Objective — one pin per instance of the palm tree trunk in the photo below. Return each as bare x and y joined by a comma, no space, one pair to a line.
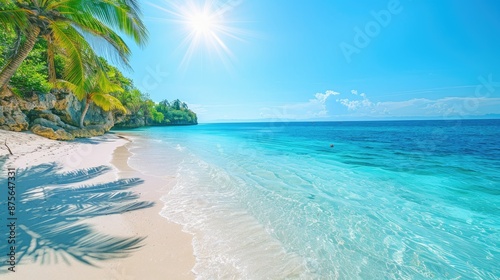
50,59
10,69
87,104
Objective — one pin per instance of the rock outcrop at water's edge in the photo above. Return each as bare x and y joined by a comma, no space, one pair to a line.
130,122
53,115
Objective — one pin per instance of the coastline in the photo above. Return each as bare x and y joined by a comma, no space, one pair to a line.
166,250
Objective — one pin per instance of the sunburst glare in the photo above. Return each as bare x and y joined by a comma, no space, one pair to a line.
206,27
202,23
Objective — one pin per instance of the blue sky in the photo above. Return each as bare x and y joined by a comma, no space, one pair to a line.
323,60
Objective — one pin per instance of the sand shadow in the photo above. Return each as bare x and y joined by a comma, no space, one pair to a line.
50,207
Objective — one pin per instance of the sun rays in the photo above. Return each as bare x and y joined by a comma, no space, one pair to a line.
206,28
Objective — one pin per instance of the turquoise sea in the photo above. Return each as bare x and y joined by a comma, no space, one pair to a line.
390,200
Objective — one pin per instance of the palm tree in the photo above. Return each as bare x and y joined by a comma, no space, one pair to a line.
67,26
176,104
184,106
164,104
96,89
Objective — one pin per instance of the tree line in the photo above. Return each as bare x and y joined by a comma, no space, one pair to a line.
45,45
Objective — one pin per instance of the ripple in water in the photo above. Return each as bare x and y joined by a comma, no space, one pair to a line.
284,207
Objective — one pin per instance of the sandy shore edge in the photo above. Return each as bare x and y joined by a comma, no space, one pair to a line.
166,252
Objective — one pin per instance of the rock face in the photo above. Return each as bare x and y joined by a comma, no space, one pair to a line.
130,122
11,116
68,108
51,133
53,115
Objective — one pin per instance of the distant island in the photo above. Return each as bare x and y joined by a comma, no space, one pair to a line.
54,84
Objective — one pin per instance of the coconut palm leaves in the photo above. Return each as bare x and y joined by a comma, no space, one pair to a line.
75,28
49,227
96,89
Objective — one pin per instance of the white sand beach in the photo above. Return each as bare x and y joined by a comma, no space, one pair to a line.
165,253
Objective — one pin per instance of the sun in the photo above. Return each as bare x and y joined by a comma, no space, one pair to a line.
205,26
202,23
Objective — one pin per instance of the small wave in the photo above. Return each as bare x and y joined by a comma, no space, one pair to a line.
179,148
228,241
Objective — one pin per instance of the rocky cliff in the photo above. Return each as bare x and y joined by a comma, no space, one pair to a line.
53,115
129,121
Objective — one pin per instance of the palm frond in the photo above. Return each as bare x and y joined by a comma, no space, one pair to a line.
63,84
108,102
98,32
71,42
121,14
75,23
13,18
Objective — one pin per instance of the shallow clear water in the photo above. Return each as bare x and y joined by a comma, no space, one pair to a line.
391,200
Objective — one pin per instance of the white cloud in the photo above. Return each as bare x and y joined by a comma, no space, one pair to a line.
353,105
443,107
359,105
314,108
322,97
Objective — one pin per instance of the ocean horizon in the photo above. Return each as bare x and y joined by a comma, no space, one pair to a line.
332,200
350,119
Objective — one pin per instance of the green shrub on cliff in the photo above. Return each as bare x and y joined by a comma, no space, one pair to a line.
32,76
175,113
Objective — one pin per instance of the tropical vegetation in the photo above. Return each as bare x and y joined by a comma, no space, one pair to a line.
96,89
67,27
48,45
176,112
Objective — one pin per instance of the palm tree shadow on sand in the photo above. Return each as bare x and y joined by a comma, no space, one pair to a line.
50,208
